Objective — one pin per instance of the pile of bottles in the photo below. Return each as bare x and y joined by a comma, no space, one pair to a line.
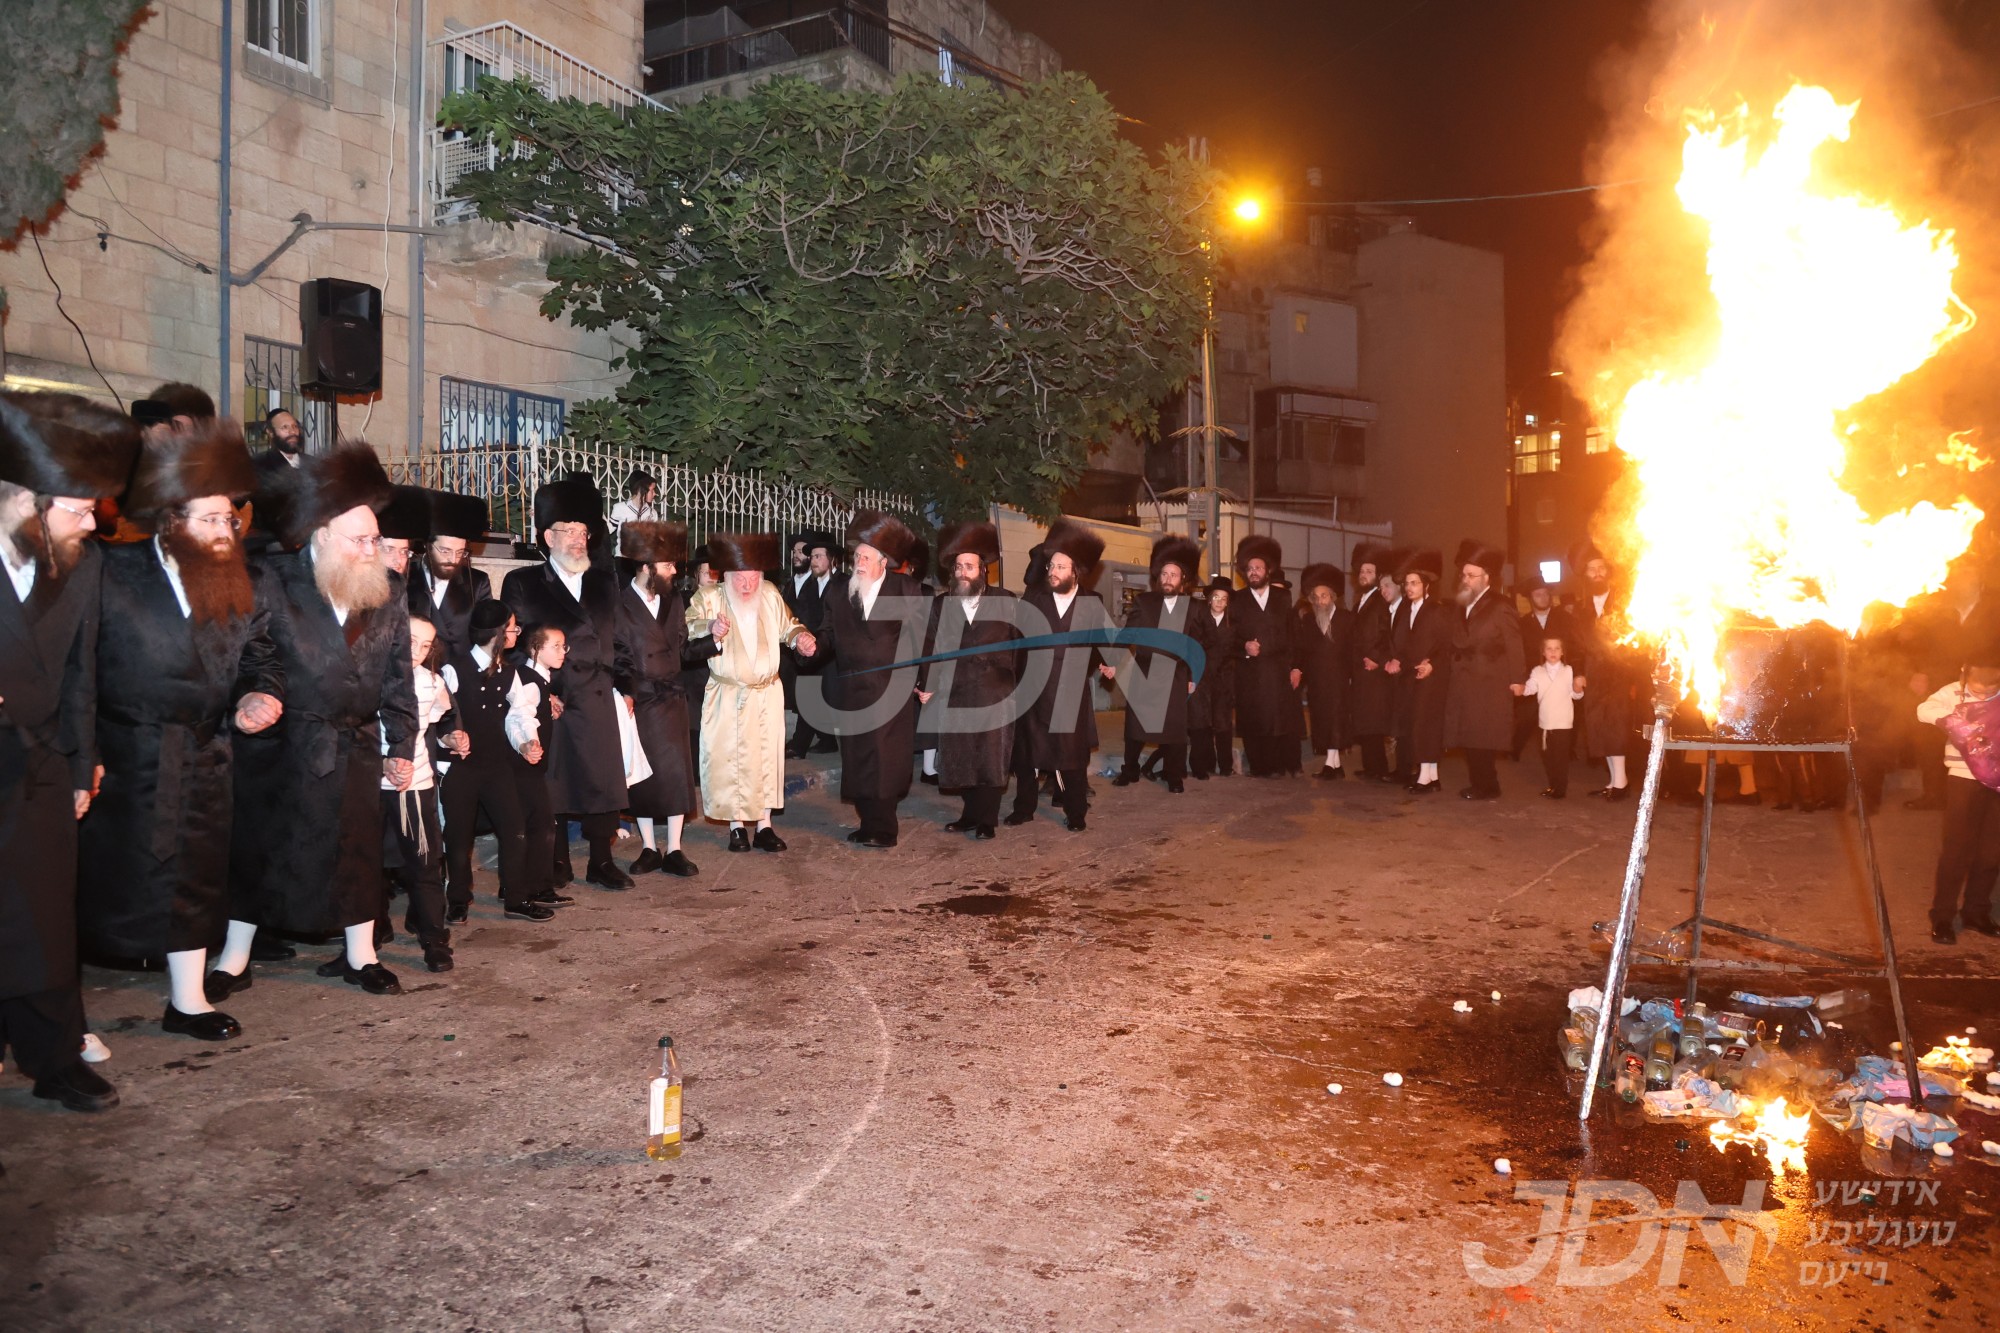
1664,1043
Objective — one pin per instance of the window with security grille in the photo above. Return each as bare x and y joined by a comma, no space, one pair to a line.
271,382
285,30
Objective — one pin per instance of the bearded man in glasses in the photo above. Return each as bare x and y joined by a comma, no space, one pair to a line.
307,852
183,656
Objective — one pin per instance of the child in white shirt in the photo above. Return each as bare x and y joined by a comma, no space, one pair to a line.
1553,683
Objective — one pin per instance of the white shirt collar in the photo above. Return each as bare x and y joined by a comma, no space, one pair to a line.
1598,600
1170,600
173,577
821,580
1416,606
971,605
1065,600
652,600
339,612
868,592
23,575
799,580
1262,596
574,582
438,587
481,658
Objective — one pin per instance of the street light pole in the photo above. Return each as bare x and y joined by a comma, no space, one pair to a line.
1208,436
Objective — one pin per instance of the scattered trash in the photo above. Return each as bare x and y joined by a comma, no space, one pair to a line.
1883,1123
1460,1007
1772,1001
1333,1089
1393,1080
1659,943
1958,1055
1876,1079
1591,998
95,1052
451,1036
1990,1148
1496,1000
1942,1149
1503,1166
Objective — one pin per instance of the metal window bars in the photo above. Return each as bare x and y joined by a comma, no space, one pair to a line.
270,382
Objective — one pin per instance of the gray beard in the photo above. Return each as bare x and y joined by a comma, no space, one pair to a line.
562,562
967,587
349,584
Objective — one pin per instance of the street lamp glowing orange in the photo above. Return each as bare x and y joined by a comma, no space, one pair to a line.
1249,209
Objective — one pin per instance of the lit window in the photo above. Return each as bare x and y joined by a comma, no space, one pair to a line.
1552,571
1299,321
285,30
1597,440
1530,418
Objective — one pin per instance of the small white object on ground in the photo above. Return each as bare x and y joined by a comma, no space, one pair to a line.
1991,1148
1333,1089
1496,997
1460,1007
1503,1166
1895,1045
1971,1031
1941,1148
1393,1080
95,1052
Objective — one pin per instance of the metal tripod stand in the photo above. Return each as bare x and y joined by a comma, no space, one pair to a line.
1635,876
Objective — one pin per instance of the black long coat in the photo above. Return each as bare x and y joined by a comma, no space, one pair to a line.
874,763
646,666
1559,626
153,872
1420,704
586,765
1149,611
453,616
806,603
306,847
1266,704
965,758
1485,665
1371,692
1059,725
1615,677
1214,699
1326,670
48,675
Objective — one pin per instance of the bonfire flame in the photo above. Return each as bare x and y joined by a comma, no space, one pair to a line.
1777,1130
1823,301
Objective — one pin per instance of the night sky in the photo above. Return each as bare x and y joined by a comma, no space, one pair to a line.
1393,99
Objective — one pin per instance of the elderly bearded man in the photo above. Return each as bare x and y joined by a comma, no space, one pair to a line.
184,654
307,845
744,620
59,454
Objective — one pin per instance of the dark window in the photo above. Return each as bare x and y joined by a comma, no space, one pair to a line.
271,381
286,30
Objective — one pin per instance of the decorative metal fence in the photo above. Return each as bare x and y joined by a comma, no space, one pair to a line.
506,476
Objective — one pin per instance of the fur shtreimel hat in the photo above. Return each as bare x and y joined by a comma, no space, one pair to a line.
1472,551
653,543
1428,563
957,539
64,444
303,499
885,532
407,515
1370,553
570,499
1322,575
1257,546
173,469
462,516
1084,548
742,552
1182,552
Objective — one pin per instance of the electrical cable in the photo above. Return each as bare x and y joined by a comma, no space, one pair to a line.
72,323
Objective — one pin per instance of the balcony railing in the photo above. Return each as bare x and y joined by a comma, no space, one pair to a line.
838,27
503,51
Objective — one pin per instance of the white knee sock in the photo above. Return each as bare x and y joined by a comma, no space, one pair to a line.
1617,762
674,826
735,824
646,834
1427,772
930,763
765,822
235,955
1746,779
1333,759
361,944
184,972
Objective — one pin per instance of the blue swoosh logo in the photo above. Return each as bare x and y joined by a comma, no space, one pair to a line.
1171,642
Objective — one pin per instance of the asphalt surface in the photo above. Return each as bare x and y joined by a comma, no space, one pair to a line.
1057,1080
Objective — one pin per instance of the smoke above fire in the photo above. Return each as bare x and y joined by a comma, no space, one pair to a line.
1777,321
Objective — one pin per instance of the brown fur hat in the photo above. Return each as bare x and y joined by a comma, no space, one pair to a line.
653,543
1312,576
1184,552
306,498
885,532
174,468
956,539
1257,546
1472,551
65,444
742,552
1084,548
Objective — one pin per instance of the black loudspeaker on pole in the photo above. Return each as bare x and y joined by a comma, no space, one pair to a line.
340,337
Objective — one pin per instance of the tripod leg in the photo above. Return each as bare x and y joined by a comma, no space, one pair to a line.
1910,1069
1701,874
1628,913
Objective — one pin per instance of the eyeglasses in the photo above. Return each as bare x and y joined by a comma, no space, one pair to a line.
362,544
73,510
220,522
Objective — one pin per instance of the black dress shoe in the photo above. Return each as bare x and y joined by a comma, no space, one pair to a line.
1074,824
437,957
607,875
1017,819
795,752
1553,794
767,840
983,832
529,911
1431,788
548,898
1474,794
270,949
211,1026
1617,794
1126,777
374,978
1944,934
826,745
646,862
1925,803
80,1088
1199,777
1326,774
218,985
1177,787
856,836
928,779
739,840
677,863
1407,779
960,826
1984,926
457,914
875,840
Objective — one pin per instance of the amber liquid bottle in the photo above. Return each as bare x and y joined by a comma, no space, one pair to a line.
663,1107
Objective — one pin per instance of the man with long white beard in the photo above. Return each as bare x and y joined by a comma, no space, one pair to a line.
306,858
59,454
586,763
744,621
183,654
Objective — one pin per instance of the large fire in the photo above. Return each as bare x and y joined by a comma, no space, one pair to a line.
1823,300
1776,1129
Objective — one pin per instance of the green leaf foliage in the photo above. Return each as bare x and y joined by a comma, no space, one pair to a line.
949,292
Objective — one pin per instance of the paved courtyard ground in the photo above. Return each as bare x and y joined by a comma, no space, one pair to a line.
1053,1081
